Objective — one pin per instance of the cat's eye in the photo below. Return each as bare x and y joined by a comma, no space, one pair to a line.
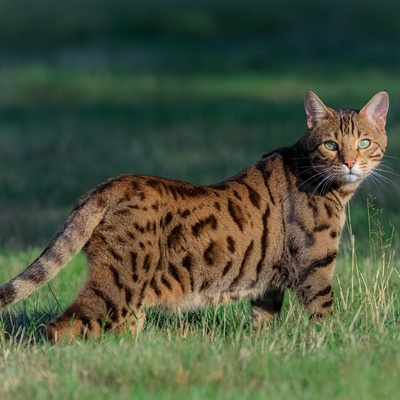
363,144
330,145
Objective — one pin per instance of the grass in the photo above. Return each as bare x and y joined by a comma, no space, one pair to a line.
214,353
194,91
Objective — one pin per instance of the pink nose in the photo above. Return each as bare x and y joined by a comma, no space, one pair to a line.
349,163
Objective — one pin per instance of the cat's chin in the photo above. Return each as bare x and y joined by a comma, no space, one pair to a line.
350,178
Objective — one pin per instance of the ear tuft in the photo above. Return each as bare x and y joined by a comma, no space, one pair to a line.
315,109
377,108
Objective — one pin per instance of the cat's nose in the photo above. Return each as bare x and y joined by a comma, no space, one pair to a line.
350,163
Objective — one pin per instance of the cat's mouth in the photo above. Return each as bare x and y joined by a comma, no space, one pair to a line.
350,175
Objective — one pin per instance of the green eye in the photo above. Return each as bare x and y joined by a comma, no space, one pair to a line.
363,144
330,145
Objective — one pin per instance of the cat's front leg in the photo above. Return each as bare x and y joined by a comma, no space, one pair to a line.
315,291
266,307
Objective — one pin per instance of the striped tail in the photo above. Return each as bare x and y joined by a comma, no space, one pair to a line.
69,240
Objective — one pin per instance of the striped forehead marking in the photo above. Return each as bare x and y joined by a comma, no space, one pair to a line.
346,121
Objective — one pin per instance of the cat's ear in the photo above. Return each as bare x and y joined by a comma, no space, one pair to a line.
377,108
315,109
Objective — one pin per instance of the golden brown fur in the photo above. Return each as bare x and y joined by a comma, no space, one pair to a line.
151,241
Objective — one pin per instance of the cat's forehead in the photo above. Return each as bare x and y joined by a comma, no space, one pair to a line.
345,112
346,120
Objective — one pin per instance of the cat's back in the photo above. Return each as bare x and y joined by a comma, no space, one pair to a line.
143,204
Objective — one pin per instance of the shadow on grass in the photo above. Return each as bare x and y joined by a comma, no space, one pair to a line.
220,321
27,328
24,326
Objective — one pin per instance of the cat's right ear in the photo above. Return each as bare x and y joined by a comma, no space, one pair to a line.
315,109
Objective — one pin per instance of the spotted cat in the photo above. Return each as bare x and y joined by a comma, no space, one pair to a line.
151,241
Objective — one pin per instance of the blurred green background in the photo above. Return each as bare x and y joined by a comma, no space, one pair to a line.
192,90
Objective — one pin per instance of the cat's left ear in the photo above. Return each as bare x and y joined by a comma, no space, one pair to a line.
377,109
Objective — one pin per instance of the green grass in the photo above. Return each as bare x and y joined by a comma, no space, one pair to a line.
214,353
194,91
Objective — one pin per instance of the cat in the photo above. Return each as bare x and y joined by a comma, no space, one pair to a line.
151,241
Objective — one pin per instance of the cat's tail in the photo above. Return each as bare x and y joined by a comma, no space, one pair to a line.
69,240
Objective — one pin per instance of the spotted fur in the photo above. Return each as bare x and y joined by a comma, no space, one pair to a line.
152,241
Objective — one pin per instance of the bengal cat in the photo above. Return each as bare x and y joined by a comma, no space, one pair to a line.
152,241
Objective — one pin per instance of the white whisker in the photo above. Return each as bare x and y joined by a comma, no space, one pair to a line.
376,181
314,178
325,183
378,177
391,157
388,170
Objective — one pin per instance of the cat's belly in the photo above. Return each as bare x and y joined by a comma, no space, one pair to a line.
193,300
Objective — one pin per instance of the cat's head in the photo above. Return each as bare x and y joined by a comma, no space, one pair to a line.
344,146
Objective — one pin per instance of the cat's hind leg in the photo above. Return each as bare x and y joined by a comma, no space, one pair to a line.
97,310
120,271
266,307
